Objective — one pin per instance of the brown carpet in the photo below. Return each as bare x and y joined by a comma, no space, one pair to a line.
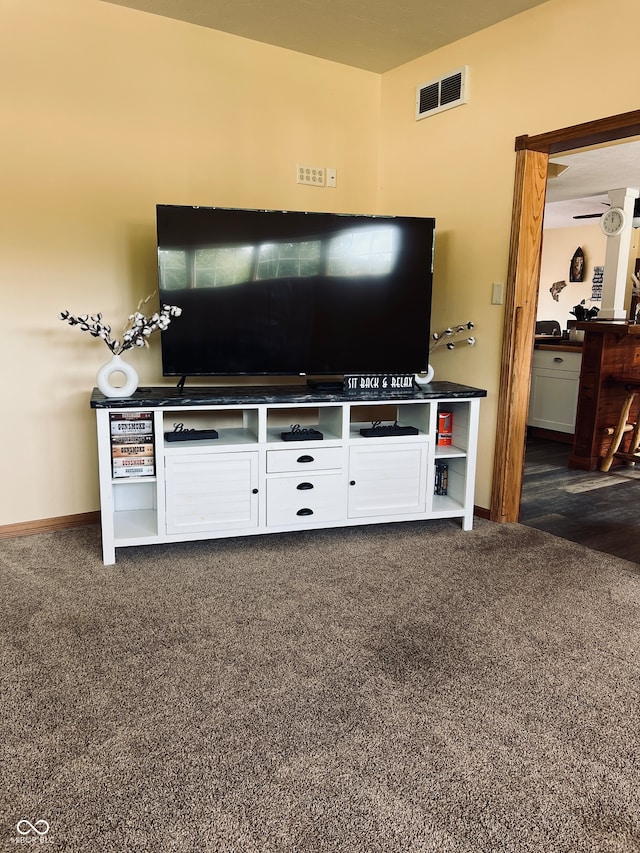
395,688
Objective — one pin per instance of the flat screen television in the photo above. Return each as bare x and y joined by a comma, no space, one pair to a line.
269,292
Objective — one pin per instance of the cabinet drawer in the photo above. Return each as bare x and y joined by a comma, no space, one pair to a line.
299,500
550,360
303,459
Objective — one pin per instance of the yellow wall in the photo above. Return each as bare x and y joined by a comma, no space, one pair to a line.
536,72
105,111
558,247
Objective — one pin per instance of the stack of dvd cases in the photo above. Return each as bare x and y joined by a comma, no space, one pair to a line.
442,477
132,445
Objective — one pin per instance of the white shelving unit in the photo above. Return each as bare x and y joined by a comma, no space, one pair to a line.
250,481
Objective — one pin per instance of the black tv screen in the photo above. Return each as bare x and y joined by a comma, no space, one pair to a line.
294,293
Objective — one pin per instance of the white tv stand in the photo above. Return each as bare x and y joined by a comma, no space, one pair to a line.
250,481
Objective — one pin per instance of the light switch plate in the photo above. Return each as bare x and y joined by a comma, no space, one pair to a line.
497,293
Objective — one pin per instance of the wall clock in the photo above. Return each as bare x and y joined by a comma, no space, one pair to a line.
613,221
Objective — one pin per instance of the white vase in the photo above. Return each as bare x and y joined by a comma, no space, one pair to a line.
117,366
424,378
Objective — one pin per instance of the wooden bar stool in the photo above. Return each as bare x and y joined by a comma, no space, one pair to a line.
632,455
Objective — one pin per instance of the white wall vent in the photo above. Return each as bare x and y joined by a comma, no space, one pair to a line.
446,92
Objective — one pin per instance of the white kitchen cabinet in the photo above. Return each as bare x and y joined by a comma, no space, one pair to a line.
555,381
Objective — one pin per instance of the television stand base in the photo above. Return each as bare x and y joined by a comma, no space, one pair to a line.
178,491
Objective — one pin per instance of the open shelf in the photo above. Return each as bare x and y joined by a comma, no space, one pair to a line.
460,429
446,504
456,485
135,508
235,427
135,524
449,451
324,419
363,415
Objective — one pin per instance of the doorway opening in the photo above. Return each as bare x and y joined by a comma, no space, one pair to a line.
521,296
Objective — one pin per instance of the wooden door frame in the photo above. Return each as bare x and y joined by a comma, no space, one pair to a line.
521,294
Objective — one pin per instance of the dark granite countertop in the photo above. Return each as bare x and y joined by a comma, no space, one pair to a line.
165,396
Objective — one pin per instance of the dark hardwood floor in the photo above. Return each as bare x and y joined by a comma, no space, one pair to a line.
599,510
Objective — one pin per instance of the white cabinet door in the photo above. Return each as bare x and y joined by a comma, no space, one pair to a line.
555,382
211,491
387,480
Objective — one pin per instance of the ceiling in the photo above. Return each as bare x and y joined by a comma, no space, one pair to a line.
582,187
375,35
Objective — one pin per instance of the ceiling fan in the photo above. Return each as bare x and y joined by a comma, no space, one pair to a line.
636,213
592,215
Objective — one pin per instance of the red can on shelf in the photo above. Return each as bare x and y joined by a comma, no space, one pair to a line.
445,428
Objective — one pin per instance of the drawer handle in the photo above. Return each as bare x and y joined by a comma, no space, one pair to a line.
305,458
304,486
305,511
558,359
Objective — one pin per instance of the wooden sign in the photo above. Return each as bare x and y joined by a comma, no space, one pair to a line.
380,383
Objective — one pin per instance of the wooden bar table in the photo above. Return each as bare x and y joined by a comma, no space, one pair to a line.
625,424
611,349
